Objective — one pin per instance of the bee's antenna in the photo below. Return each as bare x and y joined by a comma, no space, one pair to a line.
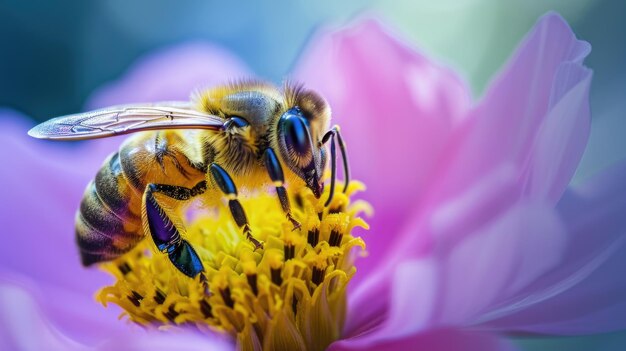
333,164
344,157
333,161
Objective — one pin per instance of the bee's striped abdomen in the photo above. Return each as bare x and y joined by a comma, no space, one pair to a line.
106,226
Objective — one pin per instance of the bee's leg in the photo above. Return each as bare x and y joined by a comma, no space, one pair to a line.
227,186
165,234
330,135
276,174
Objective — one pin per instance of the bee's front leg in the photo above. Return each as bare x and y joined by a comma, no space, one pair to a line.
227,186
163,231
276,174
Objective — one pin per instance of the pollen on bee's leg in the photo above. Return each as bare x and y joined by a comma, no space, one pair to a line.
259,297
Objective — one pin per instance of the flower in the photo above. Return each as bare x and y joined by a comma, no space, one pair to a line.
290,294
476,231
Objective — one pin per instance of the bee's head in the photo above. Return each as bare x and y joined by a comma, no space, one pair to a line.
300,148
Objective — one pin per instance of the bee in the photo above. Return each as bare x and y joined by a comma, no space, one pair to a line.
246,134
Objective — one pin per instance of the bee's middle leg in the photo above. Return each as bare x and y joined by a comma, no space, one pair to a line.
276,174
163,231
227,186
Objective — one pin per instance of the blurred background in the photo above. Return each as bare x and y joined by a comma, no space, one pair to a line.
56,53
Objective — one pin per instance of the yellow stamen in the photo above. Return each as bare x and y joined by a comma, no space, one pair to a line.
289,295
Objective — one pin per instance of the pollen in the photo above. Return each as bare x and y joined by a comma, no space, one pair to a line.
289,295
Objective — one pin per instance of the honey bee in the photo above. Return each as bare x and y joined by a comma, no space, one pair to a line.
247,134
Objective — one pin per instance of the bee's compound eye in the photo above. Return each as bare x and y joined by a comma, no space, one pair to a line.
296,134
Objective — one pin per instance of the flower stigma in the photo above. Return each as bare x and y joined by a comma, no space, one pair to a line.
289,295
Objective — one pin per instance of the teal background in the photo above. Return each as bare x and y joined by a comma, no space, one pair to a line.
55,53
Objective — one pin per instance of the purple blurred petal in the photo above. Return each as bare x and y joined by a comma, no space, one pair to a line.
25,326
73,314
166,341
21,326
562,138
172,74
440,340
534,114
585,294
495,263
43,187
396,109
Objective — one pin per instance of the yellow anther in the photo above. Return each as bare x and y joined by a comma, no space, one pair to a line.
274,259
248,267
293,238
258,297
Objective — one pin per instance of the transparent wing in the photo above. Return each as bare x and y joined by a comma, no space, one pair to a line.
126,119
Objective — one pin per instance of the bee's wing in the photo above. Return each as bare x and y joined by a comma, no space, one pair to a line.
125,119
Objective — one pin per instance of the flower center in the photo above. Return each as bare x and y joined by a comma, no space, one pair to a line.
289,295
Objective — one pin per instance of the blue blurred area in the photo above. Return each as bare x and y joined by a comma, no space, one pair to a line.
604,27
54,53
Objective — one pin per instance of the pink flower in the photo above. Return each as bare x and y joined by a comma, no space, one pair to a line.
476,231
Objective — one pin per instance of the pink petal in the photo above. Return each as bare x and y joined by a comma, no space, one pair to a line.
172,74
396,109
586,293
492,232
535,115
458,284
469,212
440,340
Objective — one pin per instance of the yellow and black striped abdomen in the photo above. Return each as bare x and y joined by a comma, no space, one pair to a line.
108,222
